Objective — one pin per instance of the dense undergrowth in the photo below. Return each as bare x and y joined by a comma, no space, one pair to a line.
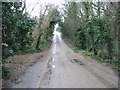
114,63
17,31
92,27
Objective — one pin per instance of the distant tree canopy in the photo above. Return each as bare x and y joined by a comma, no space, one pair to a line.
18,28
22,33
46,25
92,26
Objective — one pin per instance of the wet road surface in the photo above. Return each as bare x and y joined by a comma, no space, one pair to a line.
63,68
67,69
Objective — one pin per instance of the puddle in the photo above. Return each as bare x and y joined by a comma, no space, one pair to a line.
77,61
53,66
54,52
53,59
71,61
51,63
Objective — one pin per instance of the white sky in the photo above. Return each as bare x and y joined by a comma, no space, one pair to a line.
31,3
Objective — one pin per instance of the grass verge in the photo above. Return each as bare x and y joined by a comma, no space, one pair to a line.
5,70
114,63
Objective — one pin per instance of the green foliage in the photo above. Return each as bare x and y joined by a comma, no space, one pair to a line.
20,62
115,63
87,53
16,32
45,45
46,30
16,29
92,28
5,72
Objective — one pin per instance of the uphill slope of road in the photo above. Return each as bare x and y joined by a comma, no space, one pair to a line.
63,68
67,69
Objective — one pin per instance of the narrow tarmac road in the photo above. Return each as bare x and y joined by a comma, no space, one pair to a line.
63,68
67,69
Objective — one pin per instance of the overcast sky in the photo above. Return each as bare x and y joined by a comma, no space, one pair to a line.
31,3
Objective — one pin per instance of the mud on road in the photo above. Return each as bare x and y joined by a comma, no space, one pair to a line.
67,69
63,68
